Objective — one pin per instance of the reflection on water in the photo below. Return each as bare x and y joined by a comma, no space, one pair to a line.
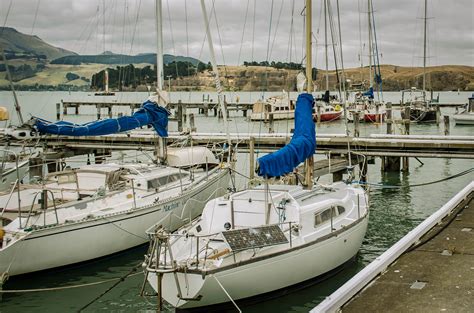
394,212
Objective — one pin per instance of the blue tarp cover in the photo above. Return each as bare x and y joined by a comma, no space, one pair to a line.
301,146
148,114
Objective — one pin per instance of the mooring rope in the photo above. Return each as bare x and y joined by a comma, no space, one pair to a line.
119,280
382,186
68,287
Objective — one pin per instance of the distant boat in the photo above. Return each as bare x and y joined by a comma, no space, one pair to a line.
280,106
466,117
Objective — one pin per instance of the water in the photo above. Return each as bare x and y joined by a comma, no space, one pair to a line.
394,212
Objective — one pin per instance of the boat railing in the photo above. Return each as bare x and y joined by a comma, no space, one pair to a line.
162,241
44,207
17,183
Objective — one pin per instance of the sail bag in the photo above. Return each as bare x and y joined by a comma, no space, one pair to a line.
301,146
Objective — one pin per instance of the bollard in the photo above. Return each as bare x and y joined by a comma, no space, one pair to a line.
446,125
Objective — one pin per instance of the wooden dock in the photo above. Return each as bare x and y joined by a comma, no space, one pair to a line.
376,145
430,272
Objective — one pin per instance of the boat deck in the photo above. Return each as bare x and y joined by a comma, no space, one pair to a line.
435,277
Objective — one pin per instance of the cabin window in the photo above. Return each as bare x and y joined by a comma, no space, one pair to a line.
324,216
161,181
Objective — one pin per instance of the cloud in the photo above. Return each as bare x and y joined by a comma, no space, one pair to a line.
130,28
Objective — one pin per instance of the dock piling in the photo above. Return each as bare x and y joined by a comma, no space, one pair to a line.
446,125
356,123
58,111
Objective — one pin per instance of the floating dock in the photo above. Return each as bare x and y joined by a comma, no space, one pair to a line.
431,269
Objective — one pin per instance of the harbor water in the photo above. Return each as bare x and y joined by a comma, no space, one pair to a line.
393,212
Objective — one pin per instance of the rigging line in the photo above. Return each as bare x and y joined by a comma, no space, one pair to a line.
172,37
276,28
265,83
360,44
36,16
253,28
332,30
187,33
243,32
134,26
377,66
220,42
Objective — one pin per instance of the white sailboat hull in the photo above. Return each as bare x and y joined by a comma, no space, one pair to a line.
464,119
269,274
67,244
279,115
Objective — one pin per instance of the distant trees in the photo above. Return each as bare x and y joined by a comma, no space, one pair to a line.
278,65
71,76
130,76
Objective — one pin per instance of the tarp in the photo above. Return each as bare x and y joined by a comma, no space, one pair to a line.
148,114
301,146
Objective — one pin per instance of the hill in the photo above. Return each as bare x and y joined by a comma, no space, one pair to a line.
17,44
121,59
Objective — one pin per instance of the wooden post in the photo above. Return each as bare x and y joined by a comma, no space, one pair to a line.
252,157
76,109
446,125
270,120
438,114
377,113
180,116
191,122
98,112
58,111
319,114
206,109
389,118
64,108
244,112
364,168
405,160
356,123
109,111
185,115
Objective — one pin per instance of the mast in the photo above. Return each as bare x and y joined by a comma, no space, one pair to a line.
216,74
159,46
424,51
309,163
325,42
370,44
161,149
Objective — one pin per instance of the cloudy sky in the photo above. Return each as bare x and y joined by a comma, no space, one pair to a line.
248,30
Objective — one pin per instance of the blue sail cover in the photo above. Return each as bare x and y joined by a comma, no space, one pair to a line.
370,93
148,114
301,146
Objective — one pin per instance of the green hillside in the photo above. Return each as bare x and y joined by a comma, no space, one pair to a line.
17,44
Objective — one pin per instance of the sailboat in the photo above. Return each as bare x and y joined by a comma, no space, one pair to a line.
422,109
101,209
260,240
